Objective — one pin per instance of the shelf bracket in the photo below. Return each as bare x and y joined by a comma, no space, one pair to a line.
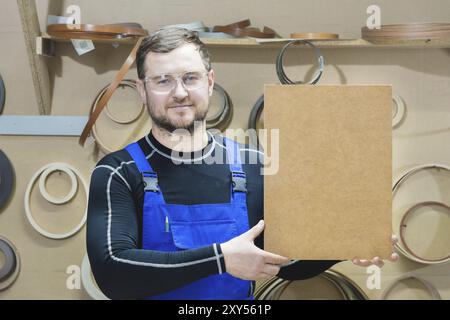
45,47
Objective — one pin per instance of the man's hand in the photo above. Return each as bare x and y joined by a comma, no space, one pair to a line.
376,260
246,261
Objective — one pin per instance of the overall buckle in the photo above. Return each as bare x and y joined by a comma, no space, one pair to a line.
150,180
239,181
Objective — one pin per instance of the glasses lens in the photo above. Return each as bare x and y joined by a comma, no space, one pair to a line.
193,80
166,83
163,83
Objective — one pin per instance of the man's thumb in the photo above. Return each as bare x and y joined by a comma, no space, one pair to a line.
255,231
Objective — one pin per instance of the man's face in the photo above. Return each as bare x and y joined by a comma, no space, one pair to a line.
179,108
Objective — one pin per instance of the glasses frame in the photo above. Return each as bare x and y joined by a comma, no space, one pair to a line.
177,77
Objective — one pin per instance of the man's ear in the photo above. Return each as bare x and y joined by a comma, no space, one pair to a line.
211,77
141,90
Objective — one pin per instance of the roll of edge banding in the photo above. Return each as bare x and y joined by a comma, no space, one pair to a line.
406,251
48,169
430,288
272,289
11,268
88,282
398,111
220,119
193,26
2,94
403,225
124,83
43,189
253,119
280,69
314,36
410,31
6,179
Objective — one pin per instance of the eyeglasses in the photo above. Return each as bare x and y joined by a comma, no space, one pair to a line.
166,83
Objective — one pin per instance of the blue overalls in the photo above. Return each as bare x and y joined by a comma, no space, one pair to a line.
175,227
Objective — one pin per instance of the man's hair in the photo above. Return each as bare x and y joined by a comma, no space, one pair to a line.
167,39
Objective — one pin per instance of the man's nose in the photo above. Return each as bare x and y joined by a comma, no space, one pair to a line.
180,91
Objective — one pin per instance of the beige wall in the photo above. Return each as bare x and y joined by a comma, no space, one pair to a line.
420,76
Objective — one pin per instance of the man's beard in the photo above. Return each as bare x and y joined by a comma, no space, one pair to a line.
163,122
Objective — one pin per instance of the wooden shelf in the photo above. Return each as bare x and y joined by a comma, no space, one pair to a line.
278,43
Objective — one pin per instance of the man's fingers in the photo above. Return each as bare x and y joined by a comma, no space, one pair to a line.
362,263
394,239
271,269
273,258
394,257
255,231
377,261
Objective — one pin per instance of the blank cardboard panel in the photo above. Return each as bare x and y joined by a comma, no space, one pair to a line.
329,196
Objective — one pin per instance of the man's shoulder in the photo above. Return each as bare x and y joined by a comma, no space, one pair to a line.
119,161
115,158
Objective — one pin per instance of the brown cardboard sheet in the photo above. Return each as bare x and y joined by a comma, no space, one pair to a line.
331,197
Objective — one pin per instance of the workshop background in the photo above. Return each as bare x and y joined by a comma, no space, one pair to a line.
419,75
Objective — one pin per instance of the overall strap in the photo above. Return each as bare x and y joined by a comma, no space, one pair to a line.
149,176
238,176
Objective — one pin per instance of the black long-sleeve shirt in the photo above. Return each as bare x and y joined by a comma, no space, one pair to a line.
122,269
